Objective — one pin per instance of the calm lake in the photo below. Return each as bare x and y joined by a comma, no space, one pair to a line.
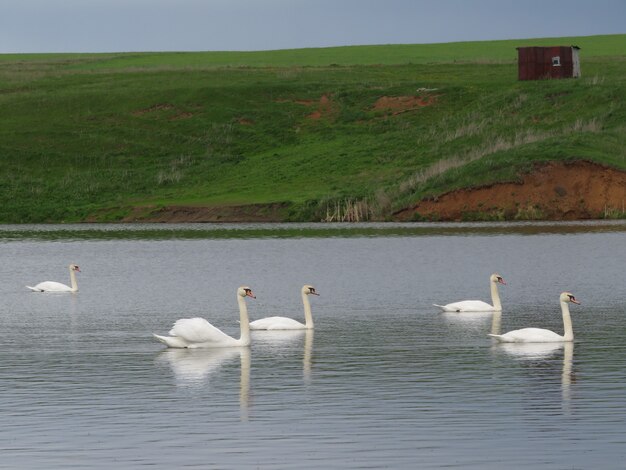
385,381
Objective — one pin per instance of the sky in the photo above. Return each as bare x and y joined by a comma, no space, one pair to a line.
28,26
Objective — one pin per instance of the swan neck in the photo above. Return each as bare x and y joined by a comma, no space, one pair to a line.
244,322
496,322
495,296
567,323
73,280
308,317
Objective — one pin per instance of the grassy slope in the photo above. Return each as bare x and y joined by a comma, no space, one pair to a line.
84,134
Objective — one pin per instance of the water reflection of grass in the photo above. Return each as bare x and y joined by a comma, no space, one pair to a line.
305,230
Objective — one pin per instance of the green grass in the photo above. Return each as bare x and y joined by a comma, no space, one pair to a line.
487,51
84,135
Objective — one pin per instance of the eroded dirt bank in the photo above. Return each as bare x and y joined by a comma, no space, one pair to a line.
181,214
553,191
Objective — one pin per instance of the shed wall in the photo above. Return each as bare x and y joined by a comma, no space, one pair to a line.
536,63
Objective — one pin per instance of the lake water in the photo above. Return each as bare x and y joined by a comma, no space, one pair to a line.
384,381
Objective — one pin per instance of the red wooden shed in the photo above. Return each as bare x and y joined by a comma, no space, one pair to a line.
538,63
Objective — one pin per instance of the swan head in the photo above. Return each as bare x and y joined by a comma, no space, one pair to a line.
74,267
497,279
245,291
569,297
309,290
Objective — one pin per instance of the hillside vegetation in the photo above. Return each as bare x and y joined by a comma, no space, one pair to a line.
312,134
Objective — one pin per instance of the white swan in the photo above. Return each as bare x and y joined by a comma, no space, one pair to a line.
51,286
199,333
478,305
284,323
539,335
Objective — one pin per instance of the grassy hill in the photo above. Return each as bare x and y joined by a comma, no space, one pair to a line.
96,136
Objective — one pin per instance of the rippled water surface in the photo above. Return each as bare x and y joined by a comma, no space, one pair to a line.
384,381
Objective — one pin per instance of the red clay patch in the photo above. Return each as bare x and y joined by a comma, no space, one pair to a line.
553,191
325,106
151,109
401,104
273,212
180,116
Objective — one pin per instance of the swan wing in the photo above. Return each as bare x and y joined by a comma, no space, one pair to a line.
529,335
50,286
171,341
198,330
276,323
467,306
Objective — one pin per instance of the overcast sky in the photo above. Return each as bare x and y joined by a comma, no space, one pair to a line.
202,25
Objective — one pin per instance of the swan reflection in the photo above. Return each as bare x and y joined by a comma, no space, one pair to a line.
567,376
278,340
307,358
530,350
193,368
542,351
474,321
467,317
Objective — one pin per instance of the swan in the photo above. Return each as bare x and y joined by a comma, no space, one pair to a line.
283,323
51,286
539,335
199,333
478,305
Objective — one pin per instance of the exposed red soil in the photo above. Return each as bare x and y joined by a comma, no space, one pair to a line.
179,116
392,104
232,213
153,108
164,107
325,106
401,104
552,191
